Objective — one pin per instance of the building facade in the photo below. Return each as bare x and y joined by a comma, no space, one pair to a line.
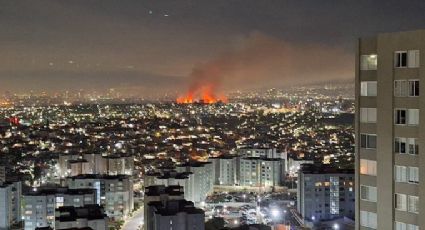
225,168
200,182
260,171
88,216
325,193
115,193
10,204
39,206
390,134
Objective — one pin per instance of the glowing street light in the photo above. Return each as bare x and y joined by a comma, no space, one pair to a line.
336,226
275,212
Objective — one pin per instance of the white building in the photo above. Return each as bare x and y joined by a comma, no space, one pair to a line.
294,165
94,163
260,152
261,172
115,193
225,170
170,178
200,182
10,204
91,216
39,206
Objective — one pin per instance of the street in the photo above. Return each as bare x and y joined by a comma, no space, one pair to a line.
135,221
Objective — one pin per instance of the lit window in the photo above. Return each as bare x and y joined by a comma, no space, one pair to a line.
368,62
367,167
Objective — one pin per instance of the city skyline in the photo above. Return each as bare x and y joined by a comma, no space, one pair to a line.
158,47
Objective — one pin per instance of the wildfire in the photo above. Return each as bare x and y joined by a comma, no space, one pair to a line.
203,95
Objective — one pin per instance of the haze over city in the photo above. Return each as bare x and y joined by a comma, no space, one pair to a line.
149,48
212,115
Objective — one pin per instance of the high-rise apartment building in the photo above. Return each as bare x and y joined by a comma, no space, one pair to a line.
165,208
390,131
325,193
10,204
114,193
39,207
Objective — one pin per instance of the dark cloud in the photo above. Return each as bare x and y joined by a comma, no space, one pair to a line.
46,44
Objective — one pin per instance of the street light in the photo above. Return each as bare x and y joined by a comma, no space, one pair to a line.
336,226
275,213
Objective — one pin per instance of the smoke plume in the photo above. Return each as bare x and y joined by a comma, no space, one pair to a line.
265,61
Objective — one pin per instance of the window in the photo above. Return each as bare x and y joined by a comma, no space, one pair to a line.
412,227
368,219
368,62
400,226
413,146
413,204
400,202
413,88
367,167
368,115
368,141
368,193
405,88
406,116
408,58
413,58
400,145
413,116
368,88
400,59
400,173
401,88
413,174
403,145
401,116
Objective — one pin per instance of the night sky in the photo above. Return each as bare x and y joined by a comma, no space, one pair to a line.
147,48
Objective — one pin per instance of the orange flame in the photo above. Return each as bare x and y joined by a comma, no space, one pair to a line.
203,95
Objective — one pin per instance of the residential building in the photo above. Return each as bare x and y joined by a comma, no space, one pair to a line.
325,193
40,204
200,182
159,193
91,216
260,171
176,215
10,204
389,131
225,170
115,193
